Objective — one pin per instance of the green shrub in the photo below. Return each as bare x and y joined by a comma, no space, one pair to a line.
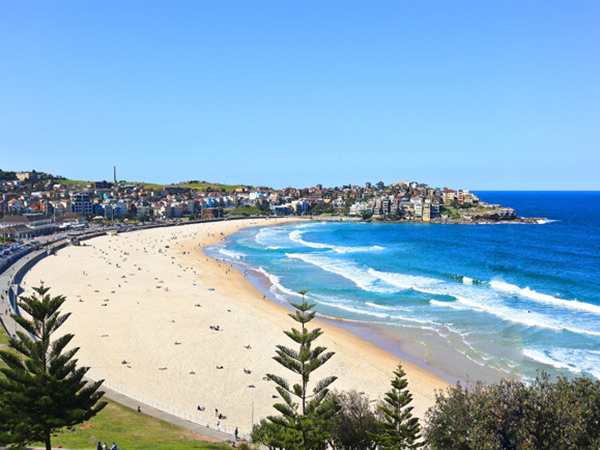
511,415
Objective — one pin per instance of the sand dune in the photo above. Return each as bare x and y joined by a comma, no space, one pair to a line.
145,306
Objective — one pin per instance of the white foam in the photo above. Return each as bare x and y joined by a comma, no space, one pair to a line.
538,297
261,235
467,280
363,312
386,307
403,281
267,237
541,357
276,284
354,309
575,360
530,319
478,298
584,360
346,269
231,254
296,236
452,305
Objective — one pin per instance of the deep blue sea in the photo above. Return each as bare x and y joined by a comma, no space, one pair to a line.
478,302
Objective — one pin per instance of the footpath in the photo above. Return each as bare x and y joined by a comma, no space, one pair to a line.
9,292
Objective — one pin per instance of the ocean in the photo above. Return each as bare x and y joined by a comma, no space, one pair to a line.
474,302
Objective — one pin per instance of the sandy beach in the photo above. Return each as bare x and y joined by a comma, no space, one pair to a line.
145,310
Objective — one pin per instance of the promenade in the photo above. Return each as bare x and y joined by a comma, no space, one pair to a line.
10,290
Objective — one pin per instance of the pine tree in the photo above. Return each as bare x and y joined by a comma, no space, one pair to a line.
398,429
305,420
43,390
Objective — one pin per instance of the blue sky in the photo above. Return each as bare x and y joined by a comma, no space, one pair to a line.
472,94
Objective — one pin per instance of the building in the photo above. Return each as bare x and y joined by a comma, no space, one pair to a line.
14,206
435,208
212,213
282,210
300,206
82,204
143,210
114,210
176,210
426,210
448,196
386,206
417,203
102,185
460,195
23,176
27,225
67,206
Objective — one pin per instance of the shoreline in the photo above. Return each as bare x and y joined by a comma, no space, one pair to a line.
383,340
126,331
408,348
331,323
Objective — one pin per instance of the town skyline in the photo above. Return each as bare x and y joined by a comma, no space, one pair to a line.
42,198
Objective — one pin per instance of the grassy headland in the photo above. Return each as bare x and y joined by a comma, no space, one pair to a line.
76,183
199,185
203,186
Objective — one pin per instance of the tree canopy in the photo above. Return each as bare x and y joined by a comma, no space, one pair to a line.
511,415
398,429
303,423
43,390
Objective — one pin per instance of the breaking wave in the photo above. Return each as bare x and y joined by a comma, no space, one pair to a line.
296,236
538,297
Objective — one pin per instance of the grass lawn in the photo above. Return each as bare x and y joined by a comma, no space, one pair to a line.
159,187
212,186
131,430
145,186
3,342
245,211
3,335
76,183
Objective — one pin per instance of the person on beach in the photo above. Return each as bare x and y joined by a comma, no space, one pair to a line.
114,447
99,447
104,446
236,434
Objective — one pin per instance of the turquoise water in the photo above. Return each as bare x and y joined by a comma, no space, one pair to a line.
476,301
